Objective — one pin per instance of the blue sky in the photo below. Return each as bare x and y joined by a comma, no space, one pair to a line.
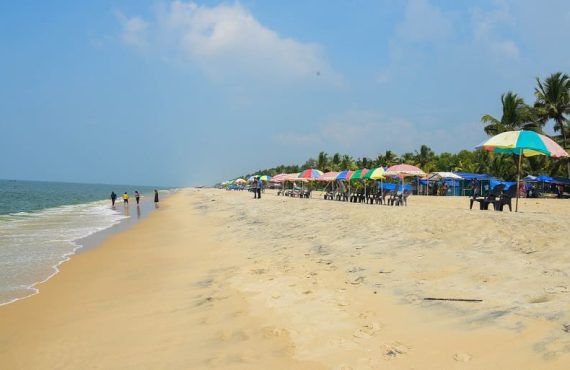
187,93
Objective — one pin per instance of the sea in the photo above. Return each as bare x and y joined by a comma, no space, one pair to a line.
42,224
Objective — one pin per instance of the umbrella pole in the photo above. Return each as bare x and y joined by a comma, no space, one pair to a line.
518,183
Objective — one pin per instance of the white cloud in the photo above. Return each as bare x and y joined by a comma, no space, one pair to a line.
424,23
227,41
134,30
487,26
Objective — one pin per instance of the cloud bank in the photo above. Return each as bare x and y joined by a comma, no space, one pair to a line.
226,42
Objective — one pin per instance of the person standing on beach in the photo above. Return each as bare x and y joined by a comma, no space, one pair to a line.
474,187
137,197
155,198
113,199
126,198
254,187
259,187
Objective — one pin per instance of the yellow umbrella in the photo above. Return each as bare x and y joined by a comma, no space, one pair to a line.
375,174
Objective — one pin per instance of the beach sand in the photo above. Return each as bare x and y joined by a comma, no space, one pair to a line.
217,280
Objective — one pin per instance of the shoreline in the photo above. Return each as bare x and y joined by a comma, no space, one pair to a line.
92,240
217,280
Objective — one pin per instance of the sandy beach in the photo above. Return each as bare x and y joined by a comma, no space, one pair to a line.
216,280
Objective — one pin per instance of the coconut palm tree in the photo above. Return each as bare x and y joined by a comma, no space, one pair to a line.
553,103
424,156
516,115
347,162
323,161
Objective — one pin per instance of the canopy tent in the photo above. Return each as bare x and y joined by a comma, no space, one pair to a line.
547,180
474,176
443,175
450,179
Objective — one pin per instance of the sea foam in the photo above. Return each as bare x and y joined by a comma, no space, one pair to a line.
34,244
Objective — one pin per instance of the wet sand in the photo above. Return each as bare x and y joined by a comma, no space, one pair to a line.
215,279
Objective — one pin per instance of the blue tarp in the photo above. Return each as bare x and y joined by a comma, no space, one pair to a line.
506,183
548,180
560,181
471,176
448,182
388,186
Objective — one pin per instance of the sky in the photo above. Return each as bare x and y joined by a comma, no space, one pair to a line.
184,93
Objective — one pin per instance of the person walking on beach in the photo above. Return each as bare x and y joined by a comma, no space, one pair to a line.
137,197
155,198
125,198
113,199
259,187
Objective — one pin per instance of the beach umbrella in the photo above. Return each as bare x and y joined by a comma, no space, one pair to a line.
344,175
359,174
523,143
328,176
282,177
265,178
240,181
375,174
251,178
403,170
310,174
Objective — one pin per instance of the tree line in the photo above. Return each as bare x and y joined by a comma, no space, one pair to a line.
551,107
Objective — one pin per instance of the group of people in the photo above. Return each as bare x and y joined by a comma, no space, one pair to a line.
137,198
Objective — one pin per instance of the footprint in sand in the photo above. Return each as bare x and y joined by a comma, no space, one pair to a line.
557,289
395,349
462,357
367,331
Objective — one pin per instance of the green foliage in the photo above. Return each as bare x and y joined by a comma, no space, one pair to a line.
552,104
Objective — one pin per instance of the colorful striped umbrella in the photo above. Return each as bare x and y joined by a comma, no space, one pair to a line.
524,144
527,143
240,181
359,174
344,175
265,178
375,174
310,174
329,176
282,177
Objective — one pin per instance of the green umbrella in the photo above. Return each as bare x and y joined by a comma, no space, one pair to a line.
359,174
375,174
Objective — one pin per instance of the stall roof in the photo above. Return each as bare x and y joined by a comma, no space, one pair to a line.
471,176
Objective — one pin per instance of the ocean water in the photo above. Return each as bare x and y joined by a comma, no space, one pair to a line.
41,224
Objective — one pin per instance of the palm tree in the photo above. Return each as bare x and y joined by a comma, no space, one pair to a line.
516,115
553,102
335,162
424,157
347,162
323,161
